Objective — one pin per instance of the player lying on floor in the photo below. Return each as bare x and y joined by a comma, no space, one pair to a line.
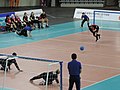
26,31
53,75
10,60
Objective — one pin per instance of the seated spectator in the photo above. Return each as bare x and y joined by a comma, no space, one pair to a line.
18,22
33,20
13,22
43,19
25,18
9,25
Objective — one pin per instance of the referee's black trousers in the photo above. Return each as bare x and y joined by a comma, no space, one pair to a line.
74,79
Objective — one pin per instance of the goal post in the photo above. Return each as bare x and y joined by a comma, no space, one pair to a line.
107,19
50,66
3,79
40,66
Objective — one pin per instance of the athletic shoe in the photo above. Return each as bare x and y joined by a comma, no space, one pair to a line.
47,26
99,36
42,27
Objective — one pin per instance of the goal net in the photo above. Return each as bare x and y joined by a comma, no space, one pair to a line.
45,74
107,19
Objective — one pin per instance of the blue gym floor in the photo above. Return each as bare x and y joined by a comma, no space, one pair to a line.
11,39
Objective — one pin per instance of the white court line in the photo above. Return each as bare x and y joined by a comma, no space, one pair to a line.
80,42
82,31
51,16
99,66
64,30
83,42
91,81
108,56
86,43
101,81
101,35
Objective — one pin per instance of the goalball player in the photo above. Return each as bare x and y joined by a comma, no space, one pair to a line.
53,75
11,60
94,29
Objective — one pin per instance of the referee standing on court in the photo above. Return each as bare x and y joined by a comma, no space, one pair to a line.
74,69
84,18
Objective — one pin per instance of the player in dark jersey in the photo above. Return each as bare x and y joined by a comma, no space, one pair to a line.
10,60
26,31
94,29
53,75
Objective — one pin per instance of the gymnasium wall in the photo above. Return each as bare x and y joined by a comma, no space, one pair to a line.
99,14
37,12
5,3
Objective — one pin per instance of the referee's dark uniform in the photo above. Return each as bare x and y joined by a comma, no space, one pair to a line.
74,68
85,18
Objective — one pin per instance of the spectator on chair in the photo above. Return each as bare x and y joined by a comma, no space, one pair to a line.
43,19
13,22
25,18
9,25
33,20
18,22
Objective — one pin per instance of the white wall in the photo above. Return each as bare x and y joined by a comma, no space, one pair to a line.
99,15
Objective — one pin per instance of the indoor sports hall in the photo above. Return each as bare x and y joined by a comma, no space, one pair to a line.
50,48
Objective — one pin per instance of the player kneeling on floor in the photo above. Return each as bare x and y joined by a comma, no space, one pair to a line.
9,61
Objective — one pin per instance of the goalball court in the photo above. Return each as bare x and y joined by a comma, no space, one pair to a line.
100,60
